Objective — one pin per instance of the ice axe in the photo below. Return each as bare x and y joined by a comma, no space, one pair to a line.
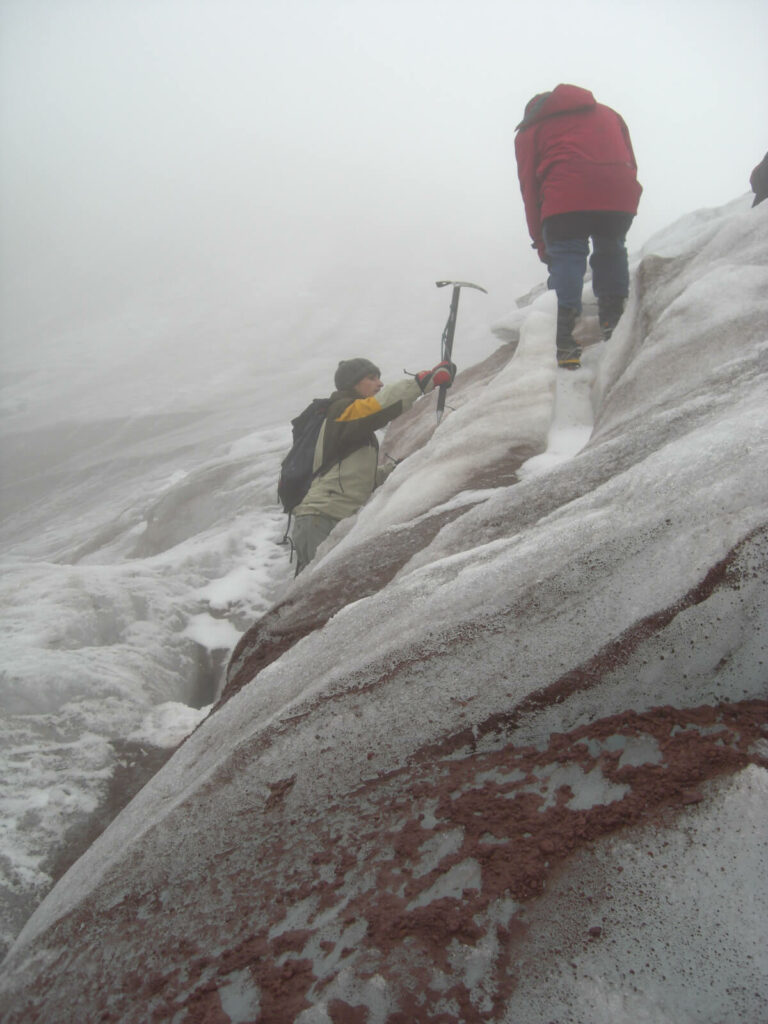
450,328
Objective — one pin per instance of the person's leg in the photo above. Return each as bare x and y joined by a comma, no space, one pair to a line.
308,534
610,268
567,262
567,249
568,350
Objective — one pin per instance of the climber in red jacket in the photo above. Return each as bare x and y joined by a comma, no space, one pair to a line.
578,177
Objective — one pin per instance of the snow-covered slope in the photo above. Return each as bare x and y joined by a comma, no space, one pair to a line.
139,535
501,753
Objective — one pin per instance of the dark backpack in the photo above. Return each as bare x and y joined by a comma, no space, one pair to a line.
296,469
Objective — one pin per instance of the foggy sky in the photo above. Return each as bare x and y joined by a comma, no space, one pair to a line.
210,166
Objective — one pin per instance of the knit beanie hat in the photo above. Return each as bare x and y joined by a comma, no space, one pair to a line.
351,371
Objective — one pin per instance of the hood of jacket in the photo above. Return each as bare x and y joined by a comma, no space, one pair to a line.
564,99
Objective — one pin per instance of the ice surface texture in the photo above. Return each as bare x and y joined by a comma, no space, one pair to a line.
500,754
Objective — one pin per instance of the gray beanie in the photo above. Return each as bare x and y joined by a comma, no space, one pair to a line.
350,371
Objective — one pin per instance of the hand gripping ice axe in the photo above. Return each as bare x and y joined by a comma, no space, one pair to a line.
450,328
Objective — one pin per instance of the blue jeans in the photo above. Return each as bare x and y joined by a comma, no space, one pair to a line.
567,261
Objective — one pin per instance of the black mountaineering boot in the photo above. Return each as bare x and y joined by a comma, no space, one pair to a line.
609,310
568,352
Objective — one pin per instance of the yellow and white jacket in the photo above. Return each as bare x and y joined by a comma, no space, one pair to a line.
347,450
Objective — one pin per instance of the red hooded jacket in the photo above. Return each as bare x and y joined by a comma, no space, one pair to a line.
573,154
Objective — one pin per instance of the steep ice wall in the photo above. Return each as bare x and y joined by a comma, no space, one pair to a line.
479,762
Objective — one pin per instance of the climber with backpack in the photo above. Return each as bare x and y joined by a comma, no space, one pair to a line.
340,431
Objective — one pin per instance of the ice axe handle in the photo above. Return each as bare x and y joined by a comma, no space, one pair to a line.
446,348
